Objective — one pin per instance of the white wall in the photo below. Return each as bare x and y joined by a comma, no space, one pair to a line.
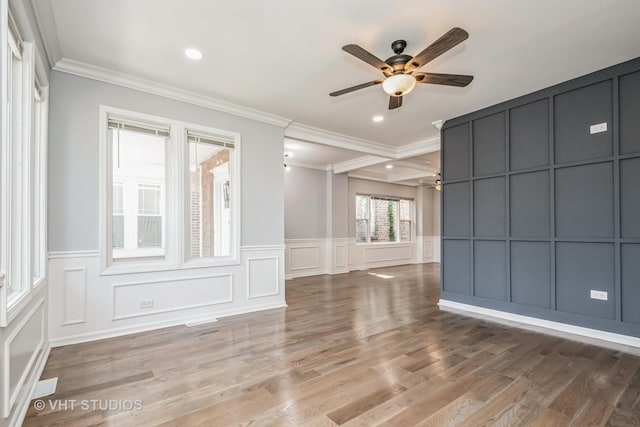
86,305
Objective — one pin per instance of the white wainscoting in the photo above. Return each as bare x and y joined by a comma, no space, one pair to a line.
23,354
364,256
86,306
310,257
306,257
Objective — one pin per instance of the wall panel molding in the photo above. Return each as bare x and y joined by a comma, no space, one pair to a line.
195,292
75,296
261,282
12,381
561,214
113,302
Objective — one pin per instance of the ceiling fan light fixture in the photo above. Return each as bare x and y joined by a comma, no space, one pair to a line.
399,84
193,54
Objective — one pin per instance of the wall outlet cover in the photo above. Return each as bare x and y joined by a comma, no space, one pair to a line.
597,128
146,303
601,295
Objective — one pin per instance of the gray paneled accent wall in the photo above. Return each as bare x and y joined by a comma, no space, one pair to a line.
541,203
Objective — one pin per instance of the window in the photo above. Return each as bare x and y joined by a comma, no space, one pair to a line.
362,218
17,142
383,219
149,216
209,188
170,194
39,176
138,183
23,153
117,238
406,214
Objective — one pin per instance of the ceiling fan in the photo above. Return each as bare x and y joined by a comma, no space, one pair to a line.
437,184
399,69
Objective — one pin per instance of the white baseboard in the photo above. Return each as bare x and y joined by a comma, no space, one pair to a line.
21,406
116,332
564,330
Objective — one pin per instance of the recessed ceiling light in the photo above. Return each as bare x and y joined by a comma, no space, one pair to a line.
377,118
193,54
389,166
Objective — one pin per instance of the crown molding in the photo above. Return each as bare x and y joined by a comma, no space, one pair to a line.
373,176
360,162
126,80
410,150
307,165
320,136
418,148
395,178
46,23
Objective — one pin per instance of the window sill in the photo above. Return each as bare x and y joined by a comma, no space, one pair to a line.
134,267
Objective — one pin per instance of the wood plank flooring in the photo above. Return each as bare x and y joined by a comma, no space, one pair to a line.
350,350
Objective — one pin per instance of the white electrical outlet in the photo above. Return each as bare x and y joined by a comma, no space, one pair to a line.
146,303
600,127
601,295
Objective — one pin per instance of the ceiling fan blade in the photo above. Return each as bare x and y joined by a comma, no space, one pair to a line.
356,87
451,39
459,80
369,58
395,102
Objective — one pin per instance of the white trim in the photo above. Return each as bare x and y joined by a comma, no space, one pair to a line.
541,325
22,406
306,267
46,23
118,78
73,254
262,248
418,148
96,253
297,164
360,162
307,133
373,176
10,399
168,310
310,240
117,332
248,276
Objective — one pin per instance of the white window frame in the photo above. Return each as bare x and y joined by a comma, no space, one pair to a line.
39,188
234,203
23,162
397,219
176,203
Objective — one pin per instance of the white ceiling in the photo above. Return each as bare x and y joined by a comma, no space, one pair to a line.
317,156
412,171
284,57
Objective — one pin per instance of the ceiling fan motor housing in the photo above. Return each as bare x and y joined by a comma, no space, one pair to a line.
398,60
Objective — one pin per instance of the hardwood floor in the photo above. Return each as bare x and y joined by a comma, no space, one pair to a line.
351,350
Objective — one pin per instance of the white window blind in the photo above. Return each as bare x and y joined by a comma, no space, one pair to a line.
203,138
159,129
